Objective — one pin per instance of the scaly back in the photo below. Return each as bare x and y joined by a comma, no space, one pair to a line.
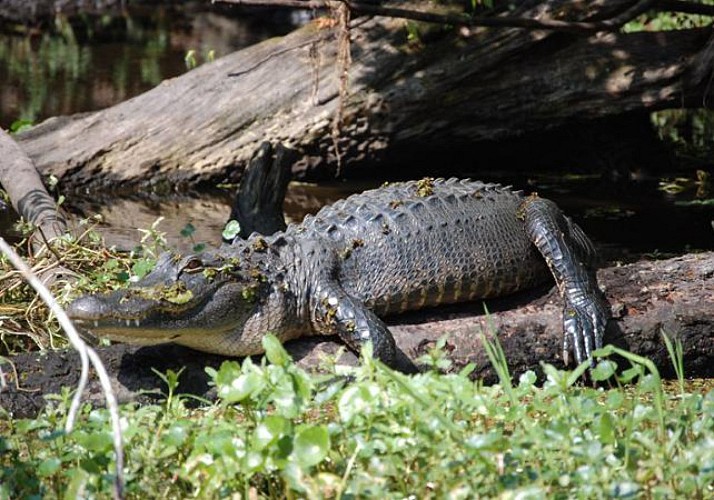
429,242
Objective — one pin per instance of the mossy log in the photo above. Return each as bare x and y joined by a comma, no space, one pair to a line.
649,299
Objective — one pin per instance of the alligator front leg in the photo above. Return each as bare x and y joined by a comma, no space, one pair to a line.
570,255
335,312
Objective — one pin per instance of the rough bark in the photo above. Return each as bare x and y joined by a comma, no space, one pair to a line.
456,89
674,296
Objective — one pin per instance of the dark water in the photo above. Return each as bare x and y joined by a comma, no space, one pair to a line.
634,219
626,222
92,63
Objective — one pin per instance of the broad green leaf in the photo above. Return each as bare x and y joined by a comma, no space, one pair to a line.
176,434
242,387
232,230
603,370
631,373
311,445
188,230
20,126
358,400
49,466
274,350
98,441
269,431
607,428
142,267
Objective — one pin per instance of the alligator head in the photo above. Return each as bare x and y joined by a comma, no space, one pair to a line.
203,301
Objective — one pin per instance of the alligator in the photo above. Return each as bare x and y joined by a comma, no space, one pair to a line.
401,247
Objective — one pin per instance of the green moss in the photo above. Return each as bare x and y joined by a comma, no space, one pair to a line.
425,187
260,245
177,293
249,293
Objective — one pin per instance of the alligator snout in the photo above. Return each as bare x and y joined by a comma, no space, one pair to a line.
87,308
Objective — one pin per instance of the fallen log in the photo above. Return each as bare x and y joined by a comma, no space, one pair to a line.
403,100
649,299
29,197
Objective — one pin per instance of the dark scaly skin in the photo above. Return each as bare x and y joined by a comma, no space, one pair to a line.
401,247
571,258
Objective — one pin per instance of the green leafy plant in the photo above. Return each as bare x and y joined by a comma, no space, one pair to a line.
231,230
187,232
20,125
278,431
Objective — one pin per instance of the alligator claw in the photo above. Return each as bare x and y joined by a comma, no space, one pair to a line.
571,257
584,329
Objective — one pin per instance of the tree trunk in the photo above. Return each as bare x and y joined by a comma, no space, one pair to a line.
649,299
455,89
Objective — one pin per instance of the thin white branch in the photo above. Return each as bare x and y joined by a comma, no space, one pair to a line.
116,421
86,354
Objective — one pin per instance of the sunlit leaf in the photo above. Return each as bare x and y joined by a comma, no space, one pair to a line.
231,230
274,350
311,445
269,431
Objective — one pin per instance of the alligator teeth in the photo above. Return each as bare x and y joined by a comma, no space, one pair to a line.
137,322
128,322
96,323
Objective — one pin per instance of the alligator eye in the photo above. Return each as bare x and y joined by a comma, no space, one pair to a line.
193,265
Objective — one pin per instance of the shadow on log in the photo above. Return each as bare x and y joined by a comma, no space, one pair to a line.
649,299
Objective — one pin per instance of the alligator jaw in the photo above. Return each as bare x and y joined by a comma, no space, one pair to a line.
191,311
99,315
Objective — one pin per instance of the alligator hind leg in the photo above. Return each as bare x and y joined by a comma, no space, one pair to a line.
571,258
335,312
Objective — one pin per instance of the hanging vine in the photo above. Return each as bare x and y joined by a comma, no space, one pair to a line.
341,12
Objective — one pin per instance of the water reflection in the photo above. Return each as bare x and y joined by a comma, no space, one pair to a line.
625,222
124,218
90,63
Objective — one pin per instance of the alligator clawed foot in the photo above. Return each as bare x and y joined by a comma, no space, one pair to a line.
583,331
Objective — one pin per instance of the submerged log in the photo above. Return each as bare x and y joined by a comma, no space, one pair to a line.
258,206
404,99
649,299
